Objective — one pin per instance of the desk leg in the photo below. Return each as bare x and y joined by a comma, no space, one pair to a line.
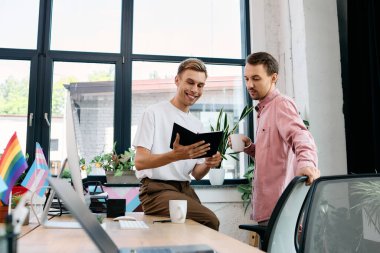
254,239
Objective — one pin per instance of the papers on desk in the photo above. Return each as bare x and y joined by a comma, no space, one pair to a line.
132,224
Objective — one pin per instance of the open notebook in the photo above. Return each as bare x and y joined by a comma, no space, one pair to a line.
98,235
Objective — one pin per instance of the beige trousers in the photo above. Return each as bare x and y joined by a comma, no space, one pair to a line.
155,196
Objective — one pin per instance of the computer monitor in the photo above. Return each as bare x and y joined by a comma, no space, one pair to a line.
73,162
72,150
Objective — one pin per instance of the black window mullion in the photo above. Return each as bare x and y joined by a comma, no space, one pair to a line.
245,35
46,89
16,54
123,84
70,56
32,101
43,85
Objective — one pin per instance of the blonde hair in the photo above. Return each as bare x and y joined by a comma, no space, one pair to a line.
192,64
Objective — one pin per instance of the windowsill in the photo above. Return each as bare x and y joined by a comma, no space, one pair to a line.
199,184
227,182
226,193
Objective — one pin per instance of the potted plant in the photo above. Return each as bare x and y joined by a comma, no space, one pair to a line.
118,167
246,189
14,202
216,174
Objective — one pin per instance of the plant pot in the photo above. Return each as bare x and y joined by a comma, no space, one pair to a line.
3,213
128,177
26,221
216,176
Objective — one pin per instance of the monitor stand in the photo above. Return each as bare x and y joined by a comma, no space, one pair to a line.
46,223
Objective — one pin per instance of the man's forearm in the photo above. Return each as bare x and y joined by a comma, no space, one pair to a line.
200,170
151,161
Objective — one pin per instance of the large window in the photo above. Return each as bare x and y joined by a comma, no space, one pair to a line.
90,88
208,28
14,92
111,59
86,25
18,23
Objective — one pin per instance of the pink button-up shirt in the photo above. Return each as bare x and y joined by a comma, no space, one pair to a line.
283,146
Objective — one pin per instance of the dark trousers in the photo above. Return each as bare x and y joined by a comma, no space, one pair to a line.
155,196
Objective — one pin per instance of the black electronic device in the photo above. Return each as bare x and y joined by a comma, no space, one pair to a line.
115,207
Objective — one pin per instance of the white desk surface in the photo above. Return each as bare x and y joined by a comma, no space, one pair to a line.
39,239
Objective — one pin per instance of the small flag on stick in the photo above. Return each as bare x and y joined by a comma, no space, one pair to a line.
3,185
12,165
36,178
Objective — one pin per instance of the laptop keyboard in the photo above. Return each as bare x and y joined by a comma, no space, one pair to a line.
128,224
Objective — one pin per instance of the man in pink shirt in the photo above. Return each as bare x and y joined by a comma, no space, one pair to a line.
284,147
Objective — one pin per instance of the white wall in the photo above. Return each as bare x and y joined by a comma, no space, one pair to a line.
325,84
226,203
304,37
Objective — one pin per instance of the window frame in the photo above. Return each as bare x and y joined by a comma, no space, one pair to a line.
41,75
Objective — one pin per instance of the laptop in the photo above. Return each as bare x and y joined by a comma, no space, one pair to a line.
98,235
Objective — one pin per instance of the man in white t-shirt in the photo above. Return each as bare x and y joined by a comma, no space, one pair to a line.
165,172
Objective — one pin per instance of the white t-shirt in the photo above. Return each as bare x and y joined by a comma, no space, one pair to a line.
154,133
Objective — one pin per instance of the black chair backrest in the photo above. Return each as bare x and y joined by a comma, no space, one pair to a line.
341,214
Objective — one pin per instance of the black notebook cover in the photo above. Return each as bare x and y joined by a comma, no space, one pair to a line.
187,137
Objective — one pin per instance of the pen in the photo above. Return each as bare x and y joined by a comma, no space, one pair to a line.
162,221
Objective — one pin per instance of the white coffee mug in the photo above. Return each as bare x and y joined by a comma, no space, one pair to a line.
237,142
178,210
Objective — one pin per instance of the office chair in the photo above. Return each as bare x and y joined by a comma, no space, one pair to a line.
341,214
278,235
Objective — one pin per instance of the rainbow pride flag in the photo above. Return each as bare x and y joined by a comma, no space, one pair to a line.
3,186
12,165
36,179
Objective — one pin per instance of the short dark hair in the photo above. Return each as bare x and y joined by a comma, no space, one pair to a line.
193,64
269,62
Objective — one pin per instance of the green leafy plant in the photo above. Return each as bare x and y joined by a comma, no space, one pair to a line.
99,218
118,163
246,189
66,173
223,125
307,124
15,199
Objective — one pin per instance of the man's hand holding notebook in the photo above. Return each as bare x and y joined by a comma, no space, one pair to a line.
188,137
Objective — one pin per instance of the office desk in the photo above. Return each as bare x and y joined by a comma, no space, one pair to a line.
159,234
27,229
